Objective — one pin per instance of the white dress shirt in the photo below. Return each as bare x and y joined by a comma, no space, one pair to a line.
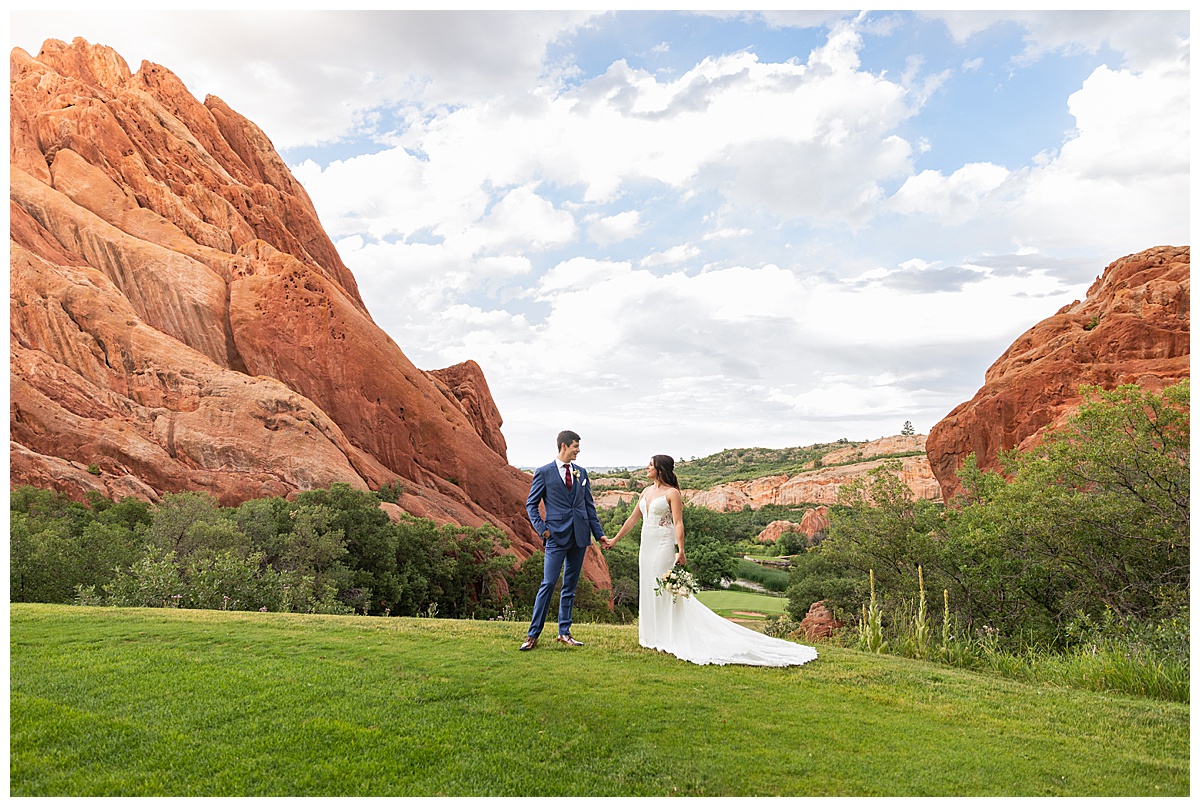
562,470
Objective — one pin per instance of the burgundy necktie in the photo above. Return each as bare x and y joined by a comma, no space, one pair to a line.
568,476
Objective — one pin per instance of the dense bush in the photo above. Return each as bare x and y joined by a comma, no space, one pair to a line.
816,575
56,544
1089,534
590,604
330,551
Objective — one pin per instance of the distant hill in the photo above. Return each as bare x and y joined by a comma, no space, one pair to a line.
734,464
754,477
741,464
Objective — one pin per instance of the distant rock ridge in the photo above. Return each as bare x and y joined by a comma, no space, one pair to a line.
179,319
1132,328
818,486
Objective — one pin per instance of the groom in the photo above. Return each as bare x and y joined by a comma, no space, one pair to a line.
566,531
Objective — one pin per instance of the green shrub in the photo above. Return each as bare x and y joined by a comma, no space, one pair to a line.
154,581
817,575
56,544
780,625
330,551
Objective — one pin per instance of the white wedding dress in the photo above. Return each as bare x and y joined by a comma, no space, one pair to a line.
683,626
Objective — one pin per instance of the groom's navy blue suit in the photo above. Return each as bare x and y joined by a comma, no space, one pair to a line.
571,520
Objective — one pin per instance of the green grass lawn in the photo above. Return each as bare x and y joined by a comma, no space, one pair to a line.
133,702
726,603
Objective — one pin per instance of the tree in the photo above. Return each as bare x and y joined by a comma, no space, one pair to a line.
468,570
56,544
817,575
709,560
1098,516
878,525
908,429
187,523
376,548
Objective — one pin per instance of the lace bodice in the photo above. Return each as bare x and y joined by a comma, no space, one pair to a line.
657,512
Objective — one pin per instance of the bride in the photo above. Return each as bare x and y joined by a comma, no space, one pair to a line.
684,627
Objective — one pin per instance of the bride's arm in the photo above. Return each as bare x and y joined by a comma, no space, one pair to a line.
634,518
675,499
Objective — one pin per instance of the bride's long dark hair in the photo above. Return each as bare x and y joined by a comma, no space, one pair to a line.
664,466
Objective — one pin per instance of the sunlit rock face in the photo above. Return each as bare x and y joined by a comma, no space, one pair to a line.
181,321
821,485
1133,328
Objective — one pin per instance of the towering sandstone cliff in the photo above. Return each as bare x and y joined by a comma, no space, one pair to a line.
1133,328
181,321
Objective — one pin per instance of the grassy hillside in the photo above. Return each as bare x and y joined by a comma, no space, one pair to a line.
737,464
751,463
123,702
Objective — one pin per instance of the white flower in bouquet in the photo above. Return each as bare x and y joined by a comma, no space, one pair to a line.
678,583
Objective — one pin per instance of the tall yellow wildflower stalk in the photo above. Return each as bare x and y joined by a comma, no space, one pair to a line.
921,635
874,623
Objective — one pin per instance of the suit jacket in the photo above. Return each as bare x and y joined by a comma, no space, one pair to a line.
570,514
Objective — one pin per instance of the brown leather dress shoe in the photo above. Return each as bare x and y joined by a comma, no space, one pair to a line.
529,644
568,640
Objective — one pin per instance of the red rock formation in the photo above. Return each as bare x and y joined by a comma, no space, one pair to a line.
815,521
812,522
818,623
465,384
822,484
1133,328
179,320
775,530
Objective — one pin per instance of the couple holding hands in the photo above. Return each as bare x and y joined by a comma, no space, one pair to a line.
681,626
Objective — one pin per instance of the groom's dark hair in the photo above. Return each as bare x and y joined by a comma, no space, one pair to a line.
565,438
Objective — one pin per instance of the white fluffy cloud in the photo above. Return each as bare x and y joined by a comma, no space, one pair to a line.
319,76
613,229
1129,153
522,219
1142,38
952,199
687,253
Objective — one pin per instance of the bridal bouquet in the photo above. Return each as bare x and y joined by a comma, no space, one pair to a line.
678,583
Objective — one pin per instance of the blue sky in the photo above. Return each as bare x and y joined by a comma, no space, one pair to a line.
678,232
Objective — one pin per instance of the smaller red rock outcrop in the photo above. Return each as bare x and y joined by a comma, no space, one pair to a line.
818,623
775,530
813,521
465,383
